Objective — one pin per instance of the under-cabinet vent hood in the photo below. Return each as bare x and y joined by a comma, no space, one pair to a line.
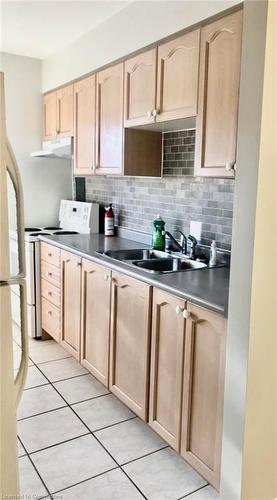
57,148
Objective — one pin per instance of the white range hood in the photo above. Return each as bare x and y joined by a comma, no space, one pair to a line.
57,148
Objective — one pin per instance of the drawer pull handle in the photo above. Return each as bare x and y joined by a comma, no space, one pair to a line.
50,294
106,277
49,274
49,254
50,313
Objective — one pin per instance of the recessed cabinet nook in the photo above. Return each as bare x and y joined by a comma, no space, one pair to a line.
117,114
164,357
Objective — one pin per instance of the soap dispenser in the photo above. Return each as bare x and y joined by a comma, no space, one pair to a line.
213,254
158,237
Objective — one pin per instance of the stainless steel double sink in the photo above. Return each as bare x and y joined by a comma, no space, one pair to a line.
154,261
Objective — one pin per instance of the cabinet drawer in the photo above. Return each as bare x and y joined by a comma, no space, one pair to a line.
50,254
50,292
50,273
50,319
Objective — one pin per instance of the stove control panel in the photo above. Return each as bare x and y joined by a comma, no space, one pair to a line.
79,216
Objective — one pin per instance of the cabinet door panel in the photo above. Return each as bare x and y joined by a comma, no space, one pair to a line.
216,124
167,361
71,302
84,126
65,111
140,88
178,62
130,336
109,120
203,392
50,116
95,319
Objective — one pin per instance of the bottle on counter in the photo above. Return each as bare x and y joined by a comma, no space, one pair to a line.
213,254
109,221
158,237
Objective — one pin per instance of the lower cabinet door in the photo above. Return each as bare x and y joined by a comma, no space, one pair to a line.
130,338
71,302
203,392
95,319
167,362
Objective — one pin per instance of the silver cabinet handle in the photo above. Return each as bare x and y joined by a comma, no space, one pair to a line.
186,314
149,114
49,254
50,313
50,294
179,310
229,167
79,263
106,277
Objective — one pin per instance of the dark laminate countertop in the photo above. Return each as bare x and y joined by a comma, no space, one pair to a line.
206,287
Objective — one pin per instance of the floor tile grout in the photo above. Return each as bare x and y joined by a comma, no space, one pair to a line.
85,480
44,484
56,444
101,444
118,466
194,491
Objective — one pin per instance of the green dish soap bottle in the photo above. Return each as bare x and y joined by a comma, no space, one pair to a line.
158,238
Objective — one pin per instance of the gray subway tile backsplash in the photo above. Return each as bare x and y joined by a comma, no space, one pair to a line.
178,197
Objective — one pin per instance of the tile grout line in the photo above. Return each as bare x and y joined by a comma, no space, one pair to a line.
44,484
195,491
99,442
120,466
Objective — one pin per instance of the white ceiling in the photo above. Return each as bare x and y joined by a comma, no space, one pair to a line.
40,28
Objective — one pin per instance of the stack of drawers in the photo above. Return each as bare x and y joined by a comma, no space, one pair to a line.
51,290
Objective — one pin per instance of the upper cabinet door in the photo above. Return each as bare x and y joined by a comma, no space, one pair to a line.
50,116
178,62
84,126
216,125
109,120
140,88
65,111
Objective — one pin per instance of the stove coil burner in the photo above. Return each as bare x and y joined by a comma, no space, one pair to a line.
41,233
65,232
51,228
31,229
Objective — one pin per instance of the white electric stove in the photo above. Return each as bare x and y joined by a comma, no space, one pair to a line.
75,217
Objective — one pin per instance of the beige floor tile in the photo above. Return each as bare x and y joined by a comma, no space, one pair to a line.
41,431
80,388
31,485
113,485
130,440
62,369
164,476
69,463
39,400
101,412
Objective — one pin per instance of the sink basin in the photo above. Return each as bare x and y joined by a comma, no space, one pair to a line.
137,254
154,261
168,265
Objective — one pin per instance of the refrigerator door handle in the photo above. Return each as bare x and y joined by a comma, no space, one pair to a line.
12,169
23,367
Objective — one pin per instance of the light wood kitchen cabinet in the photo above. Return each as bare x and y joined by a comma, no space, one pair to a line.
130,339
50,116
84,126
109,120
140,88
203,391
216,124
58,113
95,319
167,366
71,302
177,81
65,111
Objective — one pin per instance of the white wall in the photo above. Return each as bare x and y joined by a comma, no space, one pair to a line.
44,181
134,27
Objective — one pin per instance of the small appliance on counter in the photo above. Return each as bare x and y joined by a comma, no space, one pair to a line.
75,218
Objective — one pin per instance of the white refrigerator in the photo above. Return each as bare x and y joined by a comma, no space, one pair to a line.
10,387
